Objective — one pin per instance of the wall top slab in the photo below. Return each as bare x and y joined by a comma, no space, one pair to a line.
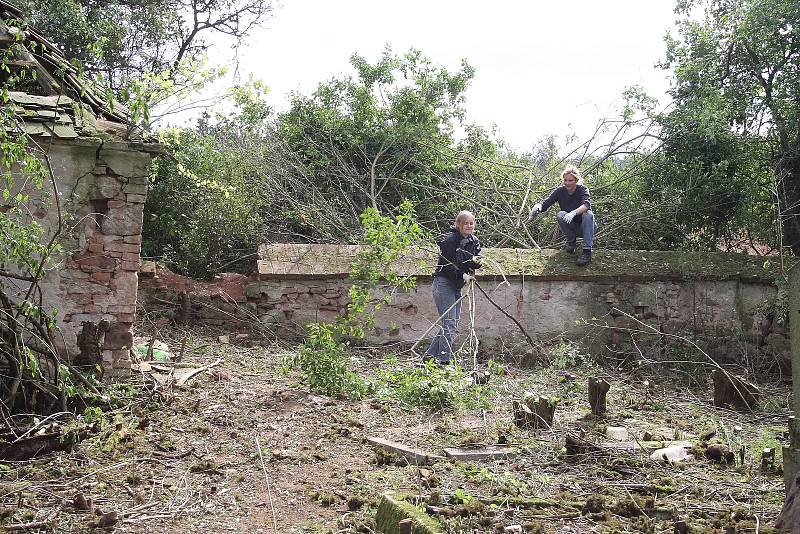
309,261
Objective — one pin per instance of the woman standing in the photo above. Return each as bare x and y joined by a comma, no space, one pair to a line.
458,258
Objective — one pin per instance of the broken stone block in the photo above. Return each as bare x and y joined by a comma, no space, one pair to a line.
123,221
617,433
392,510
118,336
147,269
411,454
674,454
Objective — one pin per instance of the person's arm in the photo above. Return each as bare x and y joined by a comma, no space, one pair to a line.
468,249
546,203
549,201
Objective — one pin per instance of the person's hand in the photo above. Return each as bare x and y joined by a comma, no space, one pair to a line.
468,278
477,261
569,216
537,209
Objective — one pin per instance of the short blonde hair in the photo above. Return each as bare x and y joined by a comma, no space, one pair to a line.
574,171
462,216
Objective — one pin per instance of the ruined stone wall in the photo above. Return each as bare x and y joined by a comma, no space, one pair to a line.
730,319
102,187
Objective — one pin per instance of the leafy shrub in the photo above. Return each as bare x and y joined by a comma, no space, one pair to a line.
322,360
323,357
564,355
431,386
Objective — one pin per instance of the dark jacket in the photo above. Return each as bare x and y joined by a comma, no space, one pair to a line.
566,201
455,256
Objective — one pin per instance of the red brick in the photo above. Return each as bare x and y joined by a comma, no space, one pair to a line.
116,203
103,277
130,256
95,247
97,237
133,239
95,260
124,285
129,266
119,246
125,317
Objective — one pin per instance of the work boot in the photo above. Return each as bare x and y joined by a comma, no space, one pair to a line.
584,259
569,247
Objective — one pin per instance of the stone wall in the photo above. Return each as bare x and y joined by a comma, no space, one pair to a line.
721,301
93,283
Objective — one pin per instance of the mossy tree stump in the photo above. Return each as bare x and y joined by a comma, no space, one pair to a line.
730,390
534,412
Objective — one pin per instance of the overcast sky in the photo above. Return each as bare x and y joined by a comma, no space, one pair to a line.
541,66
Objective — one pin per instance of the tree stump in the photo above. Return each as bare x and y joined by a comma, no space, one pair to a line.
534,412
185,314
730,390
597,395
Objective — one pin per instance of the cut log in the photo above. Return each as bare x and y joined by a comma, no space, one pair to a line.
730,390
576,445
597,395
534,412
39,445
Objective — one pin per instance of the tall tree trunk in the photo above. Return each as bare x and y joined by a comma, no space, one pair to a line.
788,174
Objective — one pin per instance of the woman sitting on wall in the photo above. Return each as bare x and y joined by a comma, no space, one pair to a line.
458,251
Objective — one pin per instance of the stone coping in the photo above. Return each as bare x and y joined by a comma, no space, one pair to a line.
316,261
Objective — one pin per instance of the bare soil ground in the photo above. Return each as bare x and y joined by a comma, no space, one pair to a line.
243,448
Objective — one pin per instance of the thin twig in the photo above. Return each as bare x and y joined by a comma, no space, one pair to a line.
269,490
516,322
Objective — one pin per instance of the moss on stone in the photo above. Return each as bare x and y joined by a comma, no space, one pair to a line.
325,261
392,510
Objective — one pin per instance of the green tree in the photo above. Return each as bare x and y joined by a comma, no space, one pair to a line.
371,140
204,209
742,60
150,42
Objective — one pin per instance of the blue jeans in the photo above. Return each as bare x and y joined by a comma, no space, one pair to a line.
445,293
582,225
